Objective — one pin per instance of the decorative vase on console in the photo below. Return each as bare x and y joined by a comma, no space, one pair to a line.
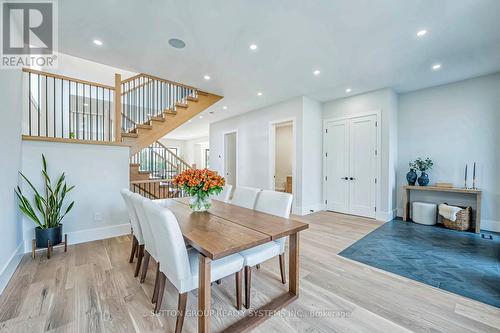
422,166
411,176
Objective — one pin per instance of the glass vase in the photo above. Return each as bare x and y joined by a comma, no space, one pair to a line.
200,203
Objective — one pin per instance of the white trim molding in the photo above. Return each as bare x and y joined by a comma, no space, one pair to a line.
89,235
10,266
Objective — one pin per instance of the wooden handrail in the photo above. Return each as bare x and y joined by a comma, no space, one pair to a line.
138,87
151,181
158,79
171,152
67,78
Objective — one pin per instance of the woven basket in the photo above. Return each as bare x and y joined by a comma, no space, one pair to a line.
462,222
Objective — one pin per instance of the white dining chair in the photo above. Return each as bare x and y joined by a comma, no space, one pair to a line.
137,237
180,265
224,195
245,197
274,203
149,242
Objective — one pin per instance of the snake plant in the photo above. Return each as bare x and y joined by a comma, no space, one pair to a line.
49,207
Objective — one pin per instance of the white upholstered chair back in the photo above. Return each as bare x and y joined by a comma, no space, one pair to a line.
224,195
171,249
149,241
245,197
274,203
134,220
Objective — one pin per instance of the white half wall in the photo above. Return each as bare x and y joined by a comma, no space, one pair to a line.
386,102
98,172
10,164
455,124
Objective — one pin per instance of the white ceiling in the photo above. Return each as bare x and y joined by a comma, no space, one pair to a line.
362,44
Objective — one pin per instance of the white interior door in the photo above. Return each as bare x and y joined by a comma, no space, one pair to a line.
351,166
362,166
337,150
230,158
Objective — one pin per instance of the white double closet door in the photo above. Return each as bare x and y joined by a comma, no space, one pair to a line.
351,166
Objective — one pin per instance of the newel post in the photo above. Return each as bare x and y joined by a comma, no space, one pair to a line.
118,108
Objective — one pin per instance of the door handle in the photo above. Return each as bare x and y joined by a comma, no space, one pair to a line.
344,178
352,178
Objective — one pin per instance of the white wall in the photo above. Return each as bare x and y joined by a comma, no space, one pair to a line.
254,149
455,124
99,173
312,156
87,70
386,102
10,164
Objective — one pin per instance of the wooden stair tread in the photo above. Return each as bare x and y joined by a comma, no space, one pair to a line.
204,93
158,119
192,99
169,112
130,135
133,165
144,126
181,105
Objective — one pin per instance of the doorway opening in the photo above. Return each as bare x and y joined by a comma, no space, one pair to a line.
282,156
230,159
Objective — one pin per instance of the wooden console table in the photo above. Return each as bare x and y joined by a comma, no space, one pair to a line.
406,199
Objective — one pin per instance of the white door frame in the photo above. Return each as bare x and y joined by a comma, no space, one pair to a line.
378,194
272,152
236,157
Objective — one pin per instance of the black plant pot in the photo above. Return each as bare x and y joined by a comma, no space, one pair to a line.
42,236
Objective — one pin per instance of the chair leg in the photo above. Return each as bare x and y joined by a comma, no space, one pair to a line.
161,291
282,268
181,309
218,281
134,248
239,278
145,265
139,260
258,266
248,283
157,280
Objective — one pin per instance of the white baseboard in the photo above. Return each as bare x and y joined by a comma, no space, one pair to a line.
10,266
309,209
490,225
386,216
89,235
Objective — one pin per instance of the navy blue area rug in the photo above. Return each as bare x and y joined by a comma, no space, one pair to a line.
463,263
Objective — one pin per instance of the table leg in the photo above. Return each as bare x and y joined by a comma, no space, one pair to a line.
204,294
293,264
406,204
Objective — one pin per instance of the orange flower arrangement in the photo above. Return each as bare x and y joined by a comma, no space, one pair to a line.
200,184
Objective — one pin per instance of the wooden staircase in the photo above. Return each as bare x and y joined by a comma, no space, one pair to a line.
153,107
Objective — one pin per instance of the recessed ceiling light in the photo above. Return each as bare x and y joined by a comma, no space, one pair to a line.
97,42
177,43
224,107
422,33
201,117
317,72
348,90
436,67
207,77
259,94
253,47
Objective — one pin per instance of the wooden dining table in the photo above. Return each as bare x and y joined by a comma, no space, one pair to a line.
227,229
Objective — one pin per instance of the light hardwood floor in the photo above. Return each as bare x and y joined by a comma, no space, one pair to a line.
92,289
